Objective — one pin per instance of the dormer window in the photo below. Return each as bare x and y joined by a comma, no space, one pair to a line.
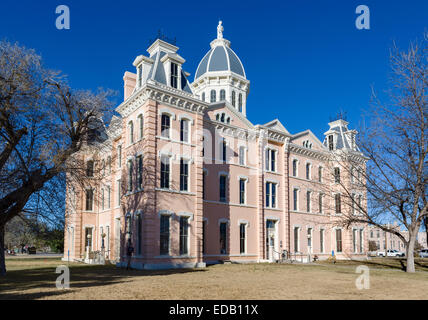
203,96
233,98
330,143
140,75
174,75
240,102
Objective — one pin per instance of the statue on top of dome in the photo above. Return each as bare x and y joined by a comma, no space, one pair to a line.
220,30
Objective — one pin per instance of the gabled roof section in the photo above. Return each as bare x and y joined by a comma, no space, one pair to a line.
232,110
276,125
308,133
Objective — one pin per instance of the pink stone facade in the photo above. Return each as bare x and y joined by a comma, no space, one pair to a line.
203,206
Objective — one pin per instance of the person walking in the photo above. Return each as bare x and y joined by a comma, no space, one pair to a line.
129,252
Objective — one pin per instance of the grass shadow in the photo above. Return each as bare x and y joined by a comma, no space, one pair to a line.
19,283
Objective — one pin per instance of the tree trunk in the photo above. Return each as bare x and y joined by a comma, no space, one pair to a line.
410,265
2,257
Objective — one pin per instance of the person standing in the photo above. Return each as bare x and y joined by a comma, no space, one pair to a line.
129,252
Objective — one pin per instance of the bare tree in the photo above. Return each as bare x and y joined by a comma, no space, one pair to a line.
395,144
43,123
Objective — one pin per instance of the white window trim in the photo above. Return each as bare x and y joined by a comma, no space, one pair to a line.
297,167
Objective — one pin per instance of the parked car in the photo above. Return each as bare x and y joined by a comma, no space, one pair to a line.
391,253
423,253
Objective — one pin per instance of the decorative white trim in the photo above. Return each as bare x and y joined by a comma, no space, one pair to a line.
185,214
224,220
168,112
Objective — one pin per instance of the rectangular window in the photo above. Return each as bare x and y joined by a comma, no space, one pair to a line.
338,203
242,238
320,174
354,240
119,191
174,75
295,162
320,203
322,240
184,235
165,172
165,125
223,188
164,235
337,175
119,156
339,240
359,204
108,197
267,194
295,199
102,199
223,150
308,201
139,234
270,160
141,126
140,172
184,175
242,191
296,239
308,171
89,199
273,197
184,130
273,161
223,238
270,195
310,239
361,240
242,156
130,173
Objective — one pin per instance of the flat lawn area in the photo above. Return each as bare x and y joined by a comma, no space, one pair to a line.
35,279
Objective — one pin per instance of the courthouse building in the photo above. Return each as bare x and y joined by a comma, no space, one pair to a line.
183,174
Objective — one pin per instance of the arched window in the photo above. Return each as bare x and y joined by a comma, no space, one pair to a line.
90,168
222,95
131,132
103,167
222,117
228,120
213,95
203,96
240,102
140,126
217,117
233,98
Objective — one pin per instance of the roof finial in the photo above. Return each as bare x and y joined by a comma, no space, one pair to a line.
220,30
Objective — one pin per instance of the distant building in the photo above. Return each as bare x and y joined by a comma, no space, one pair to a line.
391,241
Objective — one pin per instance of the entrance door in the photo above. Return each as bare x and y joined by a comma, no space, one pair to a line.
270,240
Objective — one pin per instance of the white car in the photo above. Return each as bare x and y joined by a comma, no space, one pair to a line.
391,253
423,253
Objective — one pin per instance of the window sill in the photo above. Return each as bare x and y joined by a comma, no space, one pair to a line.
175,191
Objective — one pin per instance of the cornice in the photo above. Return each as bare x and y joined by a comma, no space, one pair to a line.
162,94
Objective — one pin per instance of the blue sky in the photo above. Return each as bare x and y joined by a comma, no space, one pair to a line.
306,60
